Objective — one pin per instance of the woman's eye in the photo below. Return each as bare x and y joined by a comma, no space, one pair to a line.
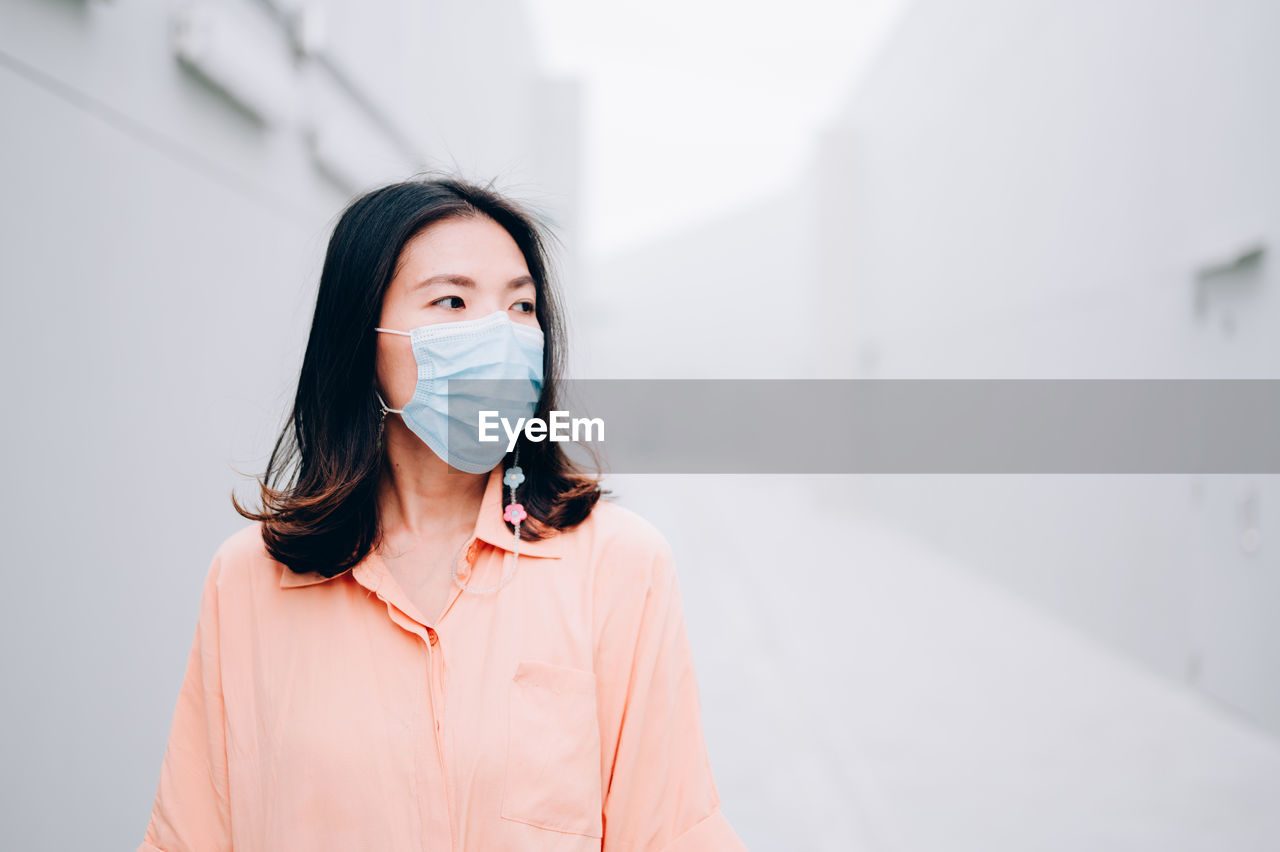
526,306
457,299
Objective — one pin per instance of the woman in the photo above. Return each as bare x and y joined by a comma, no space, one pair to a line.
422,641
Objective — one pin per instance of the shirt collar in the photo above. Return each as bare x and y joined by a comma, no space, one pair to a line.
490,528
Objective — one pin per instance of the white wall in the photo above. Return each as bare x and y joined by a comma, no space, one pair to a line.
730,298
160,253
1028,190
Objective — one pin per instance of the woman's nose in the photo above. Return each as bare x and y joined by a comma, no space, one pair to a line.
487,306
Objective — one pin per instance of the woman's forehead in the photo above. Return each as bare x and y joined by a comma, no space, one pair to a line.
476,247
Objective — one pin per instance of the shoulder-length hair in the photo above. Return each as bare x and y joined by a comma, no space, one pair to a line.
319,491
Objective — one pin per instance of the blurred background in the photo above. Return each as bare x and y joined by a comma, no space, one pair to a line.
868,189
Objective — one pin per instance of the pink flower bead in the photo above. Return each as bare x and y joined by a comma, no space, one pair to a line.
514,513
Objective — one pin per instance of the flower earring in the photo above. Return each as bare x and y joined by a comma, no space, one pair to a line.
513,514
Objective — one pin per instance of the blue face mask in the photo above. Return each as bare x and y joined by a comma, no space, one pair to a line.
465,367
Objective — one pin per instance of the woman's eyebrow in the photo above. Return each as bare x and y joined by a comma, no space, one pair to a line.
464,281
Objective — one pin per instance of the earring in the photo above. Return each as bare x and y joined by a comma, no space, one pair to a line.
514,513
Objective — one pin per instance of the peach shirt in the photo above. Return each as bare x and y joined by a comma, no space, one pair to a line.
560,713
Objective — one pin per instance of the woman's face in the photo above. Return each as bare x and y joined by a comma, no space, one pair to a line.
455,269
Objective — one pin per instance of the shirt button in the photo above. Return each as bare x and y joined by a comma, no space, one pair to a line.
431,635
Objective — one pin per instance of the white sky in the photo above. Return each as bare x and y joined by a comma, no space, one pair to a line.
695,107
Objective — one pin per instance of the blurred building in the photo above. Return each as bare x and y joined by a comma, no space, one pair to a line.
1077,190
171,172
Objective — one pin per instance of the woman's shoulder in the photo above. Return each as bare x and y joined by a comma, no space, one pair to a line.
614,527
243,556
244,545
627,552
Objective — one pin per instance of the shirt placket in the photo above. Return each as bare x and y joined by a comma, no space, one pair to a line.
433,768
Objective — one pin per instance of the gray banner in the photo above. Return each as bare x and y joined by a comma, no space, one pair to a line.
926,425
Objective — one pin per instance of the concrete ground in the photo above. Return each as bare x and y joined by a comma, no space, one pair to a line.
861,691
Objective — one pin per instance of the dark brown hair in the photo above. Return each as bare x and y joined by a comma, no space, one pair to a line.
319,491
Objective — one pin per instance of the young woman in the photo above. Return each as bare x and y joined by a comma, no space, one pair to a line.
422,641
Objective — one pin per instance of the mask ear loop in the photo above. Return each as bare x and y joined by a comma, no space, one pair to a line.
383,405
514,513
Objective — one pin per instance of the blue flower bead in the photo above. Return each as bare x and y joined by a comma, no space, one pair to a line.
513,477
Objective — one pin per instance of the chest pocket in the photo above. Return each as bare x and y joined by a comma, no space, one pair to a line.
553,751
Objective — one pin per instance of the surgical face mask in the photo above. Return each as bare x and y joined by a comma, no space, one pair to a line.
465,367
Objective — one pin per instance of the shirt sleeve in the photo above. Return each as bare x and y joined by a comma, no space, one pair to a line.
192,807
660,793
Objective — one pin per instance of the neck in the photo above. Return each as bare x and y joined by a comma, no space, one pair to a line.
420,497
